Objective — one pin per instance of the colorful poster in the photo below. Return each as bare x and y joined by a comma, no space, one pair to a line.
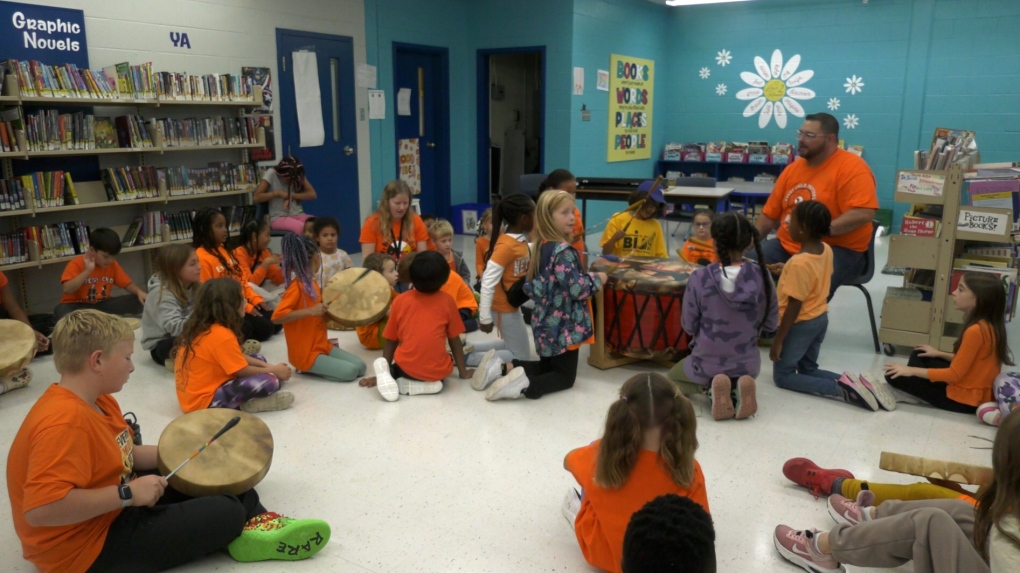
631,82
410,163
261,77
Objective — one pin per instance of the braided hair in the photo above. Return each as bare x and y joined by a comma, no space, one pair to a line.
814,218
291,168
509,212
202,238
733,232
298,251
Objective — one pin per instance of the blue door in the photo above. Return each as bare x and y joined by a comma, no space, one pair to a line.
424,71
332,168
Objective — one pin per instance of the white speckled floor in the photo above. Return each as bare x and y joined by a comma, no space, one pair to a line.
454,483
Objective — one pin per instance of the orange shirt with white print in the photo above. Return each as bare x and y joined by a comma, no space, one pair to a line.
97,286
260,273
513,256
973,369
843,182
306,337
806,277
421,324
215,358
371,232
63,444
212,268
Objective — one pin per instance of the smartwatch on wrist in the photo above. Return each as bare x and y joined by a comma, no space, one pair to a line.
124,491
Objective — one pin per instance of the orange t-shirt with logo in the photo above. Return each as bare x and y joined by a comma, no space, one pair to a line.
65,444
212,268
461,293
370,335
371,232
605,513
807,278
306,337
513,256
261,273
215,358
694,250
481,247
421,324
842,183
97,286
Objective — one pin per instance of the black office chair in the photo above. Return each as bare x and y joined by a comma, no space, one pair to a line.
863,279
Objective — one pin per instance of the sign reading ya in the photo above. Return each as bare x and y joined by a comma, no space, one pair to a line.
630,108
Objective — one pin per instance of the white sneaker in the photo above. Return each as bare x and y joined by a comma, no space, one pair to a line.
509,387
571,505
880,388
417,387
489,369
19,379
384,381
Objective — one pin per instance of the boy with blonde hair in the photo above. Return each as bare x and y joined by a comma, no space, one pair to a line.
441,233
78,503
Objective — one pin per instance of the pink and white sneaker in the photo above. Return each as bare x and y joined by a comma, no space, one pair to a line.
799,548
880,388
990,413
851,512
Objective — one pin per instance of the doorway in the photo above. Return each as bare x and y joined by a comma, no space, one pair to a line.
332,168
511,118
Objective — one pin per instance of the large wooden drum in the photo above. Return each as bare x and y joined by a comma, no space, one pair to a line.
638,311
354,301
233,464
17,346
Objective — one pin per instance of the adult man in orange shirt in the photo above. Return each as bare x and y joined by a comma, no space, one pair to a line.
837,178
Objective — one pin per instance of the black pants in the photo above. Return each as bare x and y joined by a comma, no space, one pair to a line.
259,327
549,375
397,372
120,305
161,353
933,393
178,529
467,317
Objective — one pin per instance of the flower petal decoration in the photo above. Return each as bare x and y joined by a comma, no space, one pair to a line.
777,64
800,78
750,93
754,107
800,93
763,68
775,89
790,68
766,115
793,107
752,79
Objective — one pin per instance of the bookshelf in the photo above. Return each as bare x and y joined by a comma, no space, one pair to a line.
94,206
720,170
915,321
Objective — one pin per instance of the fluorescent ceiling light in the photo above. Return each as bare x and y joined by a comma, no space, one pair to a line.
694,2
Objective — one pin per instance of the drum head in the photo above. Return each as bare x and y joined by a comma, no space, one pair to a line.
17,345
233,464
356,303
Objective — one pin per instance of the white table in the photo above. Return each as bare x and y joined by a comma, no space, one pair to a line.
718,197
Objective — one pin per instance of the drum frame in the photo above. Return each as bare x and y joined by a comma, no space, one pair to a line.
601,356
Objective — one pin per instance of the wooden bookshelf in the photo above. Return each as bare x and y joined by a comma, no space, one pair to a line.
11,94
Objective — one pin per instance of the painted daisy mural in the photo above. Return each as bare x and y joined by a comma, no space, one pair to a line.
723,57
720,89
776,89
704,73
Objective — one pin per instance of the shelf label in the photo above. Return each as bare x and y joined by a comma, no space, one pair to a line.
929,184
984,222
50,35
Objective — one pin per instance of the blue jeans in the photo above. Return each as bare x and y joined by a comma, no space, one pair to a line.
797,368
846,264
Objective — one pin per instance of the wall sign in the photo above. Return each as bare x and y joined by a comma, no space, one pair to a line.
985,222
631,82
410,163
918,183
180,40
50,35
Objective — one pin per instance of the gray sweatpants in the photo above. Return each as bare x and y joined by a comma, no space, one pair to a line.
937,534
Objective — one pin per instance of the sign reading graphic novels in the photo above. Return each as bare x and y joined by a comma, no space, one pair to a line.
49,35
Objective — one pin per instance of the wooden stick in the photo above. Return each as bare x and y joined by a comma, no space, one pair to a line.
361,276
233,422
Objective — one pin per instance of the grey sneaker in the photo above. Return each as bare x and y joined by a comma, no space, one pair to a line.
271,403
251,346
488,370
509,387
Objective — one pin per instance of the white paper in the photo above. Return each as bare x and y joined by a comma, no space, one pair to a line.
308,99
376,104
365,76
578,81
404,101
602,84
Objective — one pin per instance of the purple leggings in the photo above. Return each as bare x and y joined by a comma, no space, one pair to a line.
235,392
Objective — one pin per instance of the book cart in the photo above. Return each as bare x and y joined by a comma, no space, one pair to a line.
908,318
94,204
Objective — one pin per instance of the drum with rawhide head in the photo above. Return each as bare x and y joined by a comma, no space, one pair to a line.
357,297
17,346
233,464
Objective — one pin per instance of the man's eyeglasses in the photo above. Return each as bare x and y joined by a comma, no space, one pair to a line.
808,134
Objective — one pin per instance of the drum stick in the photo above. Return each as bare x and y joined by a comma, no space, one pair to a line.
361,276
233,422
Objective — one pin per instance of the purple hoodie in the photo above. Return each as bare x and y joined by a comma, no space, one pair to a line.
724,325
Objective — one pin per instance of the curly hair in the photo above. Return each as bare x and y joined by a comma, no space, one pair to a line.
291,169
296,260
218,301
671,533
732,232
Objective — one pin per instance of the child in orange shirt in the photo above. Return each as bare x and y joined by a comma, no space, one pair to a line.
563,180
371,335
441,233
619,474
429,220
252,252
302,313
211,369
88,279
421,321
482,242
394,228
506,262
85,493
210,235
700,249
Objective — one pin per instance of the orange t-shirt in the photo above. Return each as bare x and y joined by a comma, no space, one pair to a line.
605,513
579,233
212,268
371,232
462,294
215,358
481,247
97,287
370,335
842,183
973,369
65,444
421,324
806,277
513,256
696,249
260,274
307,337
3,283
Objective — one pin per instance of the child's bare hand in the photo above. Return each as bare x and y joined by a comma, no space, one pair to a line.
317,309
926,350
282,371
486,328
90,261
271,260
775,268
603,277
367,382
776,351
467,374
146,490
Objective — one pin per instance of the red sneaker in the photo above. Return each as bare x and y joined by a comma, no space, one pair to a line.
806,473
